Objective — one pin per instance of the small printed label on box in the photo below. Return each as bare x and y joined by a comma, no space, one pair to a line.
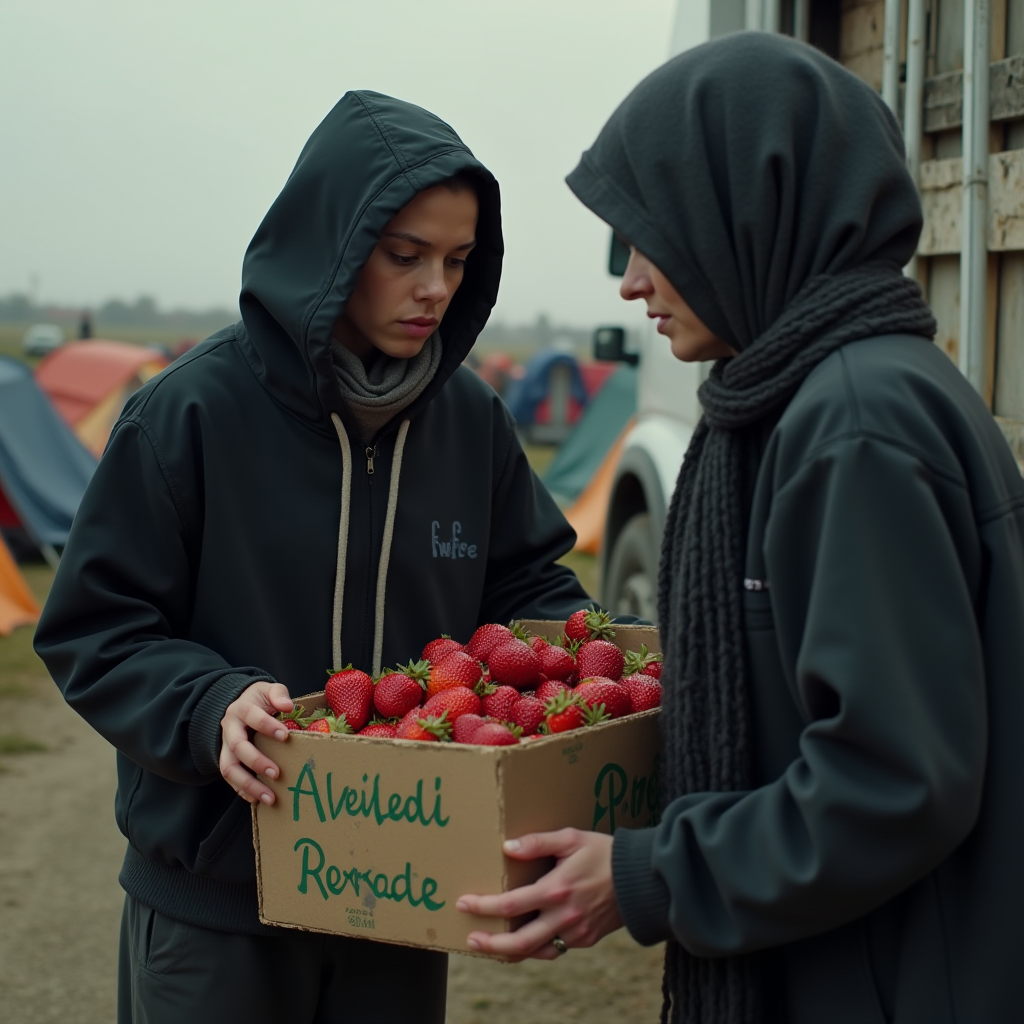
360,918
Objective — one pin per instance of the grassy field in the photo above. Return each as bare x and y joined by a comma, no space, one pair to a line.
585,566
22,674
11,335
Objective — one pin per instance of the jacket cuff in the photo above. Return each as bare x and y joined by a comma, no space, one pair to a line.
642,894
204,738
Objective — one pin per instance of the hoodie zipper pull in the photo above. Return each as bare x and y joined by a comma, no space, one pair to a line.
370,455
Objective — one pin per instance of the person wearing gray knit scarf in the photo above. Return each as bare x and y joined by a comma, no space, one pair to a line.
841,587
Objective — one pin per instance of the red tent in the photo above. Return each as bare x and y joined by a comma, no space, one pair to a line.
89,382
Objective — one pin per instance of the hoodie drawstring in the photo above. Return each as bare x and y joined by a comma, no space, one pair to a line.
346,508
385,548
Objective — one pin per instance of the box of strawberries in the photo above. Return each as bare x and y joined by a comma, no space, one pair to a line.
396,794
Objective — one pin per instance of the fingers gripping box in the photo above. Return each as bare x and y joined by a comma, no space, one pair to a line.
378,838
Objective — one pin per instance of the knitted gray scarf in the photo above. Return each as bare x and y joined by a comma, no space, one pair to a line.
706,716
375,394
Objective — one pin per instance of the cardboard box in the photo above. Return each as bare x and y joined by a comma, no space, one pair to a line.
378,838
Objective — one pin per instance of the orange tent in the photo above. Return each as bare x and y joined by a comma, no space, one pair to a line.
588,513
89,382
17,605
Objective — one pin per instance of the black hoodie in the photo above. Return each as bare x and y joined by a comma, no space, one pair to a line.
206,551
875,860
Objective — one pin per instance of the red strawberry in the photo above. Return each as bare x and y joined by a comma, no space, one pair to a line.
557,662
603,693
417,726
499,704
576,625
293,720
483,640
455,669
328,723
349,692
599,658
564,713
456,700
494,734
644,692
465,726
398,692
520,632
641,661
382,730
587,624
514,663
538,643
550,688
437,649
528,713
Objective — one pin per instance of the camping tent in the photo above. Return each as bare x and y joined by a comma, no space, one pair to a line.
89,382
580,455
548,398
43,467
17,605
588,514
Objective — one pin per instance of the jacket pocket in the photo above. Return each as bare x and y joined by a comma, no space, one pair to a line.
223,833
757,610
828,979
777,721
129,779
159,940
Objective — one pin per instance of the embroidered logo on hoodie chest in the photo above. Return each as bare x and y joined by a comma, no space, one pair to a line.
453,545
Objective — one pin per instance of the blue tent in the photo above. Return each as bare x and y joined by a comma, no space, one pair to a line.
44,468
596,431
524,395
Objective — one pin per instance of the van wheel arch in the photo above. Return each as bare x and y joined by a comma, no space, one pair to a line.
636,518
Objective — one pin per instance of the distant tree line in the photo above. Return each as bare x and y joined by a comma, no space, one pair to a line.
542,333
143,312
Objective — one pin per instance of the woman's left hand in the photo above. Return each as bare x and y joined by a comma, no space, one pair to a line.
575,899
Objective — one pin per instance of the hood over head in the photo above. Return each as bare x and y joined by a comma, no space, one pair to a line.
746,166
366,160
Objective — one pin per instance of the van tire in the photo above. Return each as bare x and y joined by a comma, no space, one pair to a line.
632,584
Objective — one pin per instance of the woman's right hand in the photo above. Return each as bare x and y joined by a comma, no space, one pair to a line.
253,710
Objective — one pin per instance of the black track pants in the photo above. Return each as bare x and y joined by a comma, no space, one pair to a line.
174,973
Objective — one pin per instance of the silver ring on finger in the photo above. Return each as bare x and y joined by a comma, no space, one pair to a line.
559,944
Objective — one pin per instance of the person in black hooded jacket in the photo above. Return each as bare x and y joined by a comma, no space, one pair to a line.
841,592
320,483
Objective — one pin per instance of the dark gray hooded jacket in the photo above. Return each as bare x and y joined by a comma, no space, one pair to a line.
876,859
207,550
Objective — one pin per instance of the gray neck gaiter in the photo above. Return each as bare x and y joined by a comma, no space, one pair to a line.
375,395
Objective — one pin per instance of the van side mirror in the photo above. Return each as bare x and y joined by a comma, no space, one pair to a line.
610,346
618,256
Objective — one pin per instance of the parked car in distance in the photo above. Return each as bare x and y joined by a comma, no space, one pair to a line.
42,339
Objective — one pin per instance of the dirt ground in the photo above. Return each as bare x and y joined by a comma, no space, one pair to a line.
60,903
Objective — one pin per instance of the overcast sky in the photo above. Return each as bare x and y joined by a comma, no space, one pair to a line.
143,141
